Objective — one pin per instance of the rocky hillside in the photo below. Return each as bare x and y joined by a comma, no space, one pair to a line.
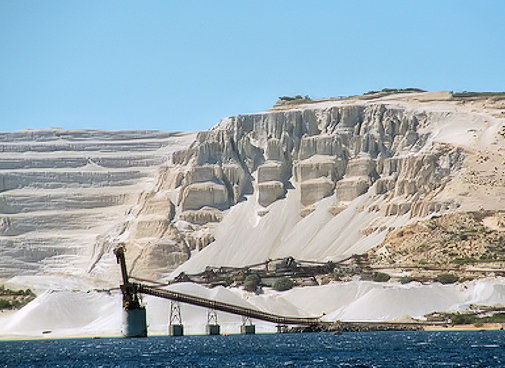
315,180
404,179
451,239
319,180
63,193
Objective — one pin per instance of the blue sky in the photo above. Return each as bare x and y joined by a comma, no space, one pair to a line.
183,65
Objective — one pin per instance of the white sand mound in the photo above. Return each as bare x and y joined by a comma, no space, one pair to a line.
282,232
67,313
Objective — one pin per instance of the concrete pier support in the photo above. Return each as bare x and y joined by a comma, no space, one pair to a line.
282,328
175,326
176,330
248,329
212,329
134,322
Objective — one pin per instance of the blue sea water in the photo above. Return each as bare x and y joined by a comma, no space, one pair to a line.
367,349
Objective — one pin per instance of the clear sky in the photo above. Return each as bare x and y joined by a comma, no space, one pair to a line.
183,65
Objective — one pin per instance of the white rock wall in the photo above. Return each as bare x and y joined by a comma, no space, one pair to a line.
63,193
340,151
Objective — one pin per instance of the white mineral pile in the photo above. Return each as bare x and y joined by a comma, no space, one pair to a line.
79,313
316,181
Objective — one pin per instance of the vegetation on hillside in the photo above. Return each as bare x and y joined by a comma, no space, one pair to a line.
447,240
394,90
446,278
467,319
282,284
295,98
252,282
464,94
380,277
14,299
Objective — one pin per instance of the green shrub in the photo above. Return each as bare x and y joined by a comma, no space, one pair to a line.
497,317
463,319
462,236
29,292
446,278
283,284
5,304
396,90
380,277
330,266
297,97
406,279
466,260
477,94
251,282
467,319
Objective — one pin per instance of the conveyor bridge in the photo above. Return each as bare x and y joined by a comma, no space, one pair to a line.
224,307
134,317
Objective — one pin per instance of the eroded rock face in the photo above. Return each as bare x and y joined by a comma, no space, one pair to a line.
324,151
381,160
342,151
64,196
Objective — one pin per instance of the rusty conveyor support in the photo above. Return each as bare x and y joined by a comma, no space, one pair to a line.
225,307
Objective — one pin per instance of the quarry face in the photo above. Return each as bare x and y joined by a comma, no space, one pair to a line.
318,180
314,180
63,194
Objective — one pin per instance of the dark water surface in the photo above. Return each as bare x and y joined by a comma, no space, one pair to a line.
368,349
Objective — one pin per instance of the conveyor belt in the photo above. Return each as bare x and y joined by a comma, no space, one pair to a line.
225,307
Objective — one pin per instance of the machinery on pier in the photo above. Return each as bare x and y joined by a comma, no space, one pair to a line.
134,314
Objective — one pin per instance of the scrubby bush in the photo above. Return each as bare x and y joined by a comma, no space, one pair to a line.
406,279
395,90
465,260
467,319
463,319
380,277
446,278
330,266
251,282
29,292
5,304
297,97
477,94
283,284
495,318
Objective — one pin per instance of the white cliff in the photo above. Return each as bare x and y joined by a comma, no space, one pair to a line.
320,180
63,193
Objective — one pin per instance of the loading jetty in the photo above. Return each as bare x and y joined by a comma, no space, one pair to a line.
134,314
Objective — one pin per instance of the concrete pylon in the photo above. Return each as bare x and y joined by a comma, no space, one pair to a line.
175,326
134,322
212,327
247,328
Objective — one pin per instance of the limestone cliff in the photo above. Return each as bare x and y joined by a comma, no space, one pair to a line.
316,180
65,195
319,180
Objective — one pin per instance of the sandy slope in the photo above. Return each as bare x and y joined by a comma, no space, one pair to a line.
80,313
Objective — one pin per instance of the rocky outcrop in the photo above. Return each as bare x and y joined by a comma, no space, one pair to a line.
319,181
340,151
64,195
334,150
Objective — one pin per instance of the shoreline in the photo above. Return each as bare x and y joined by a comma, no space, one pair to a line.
467,327
348,327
